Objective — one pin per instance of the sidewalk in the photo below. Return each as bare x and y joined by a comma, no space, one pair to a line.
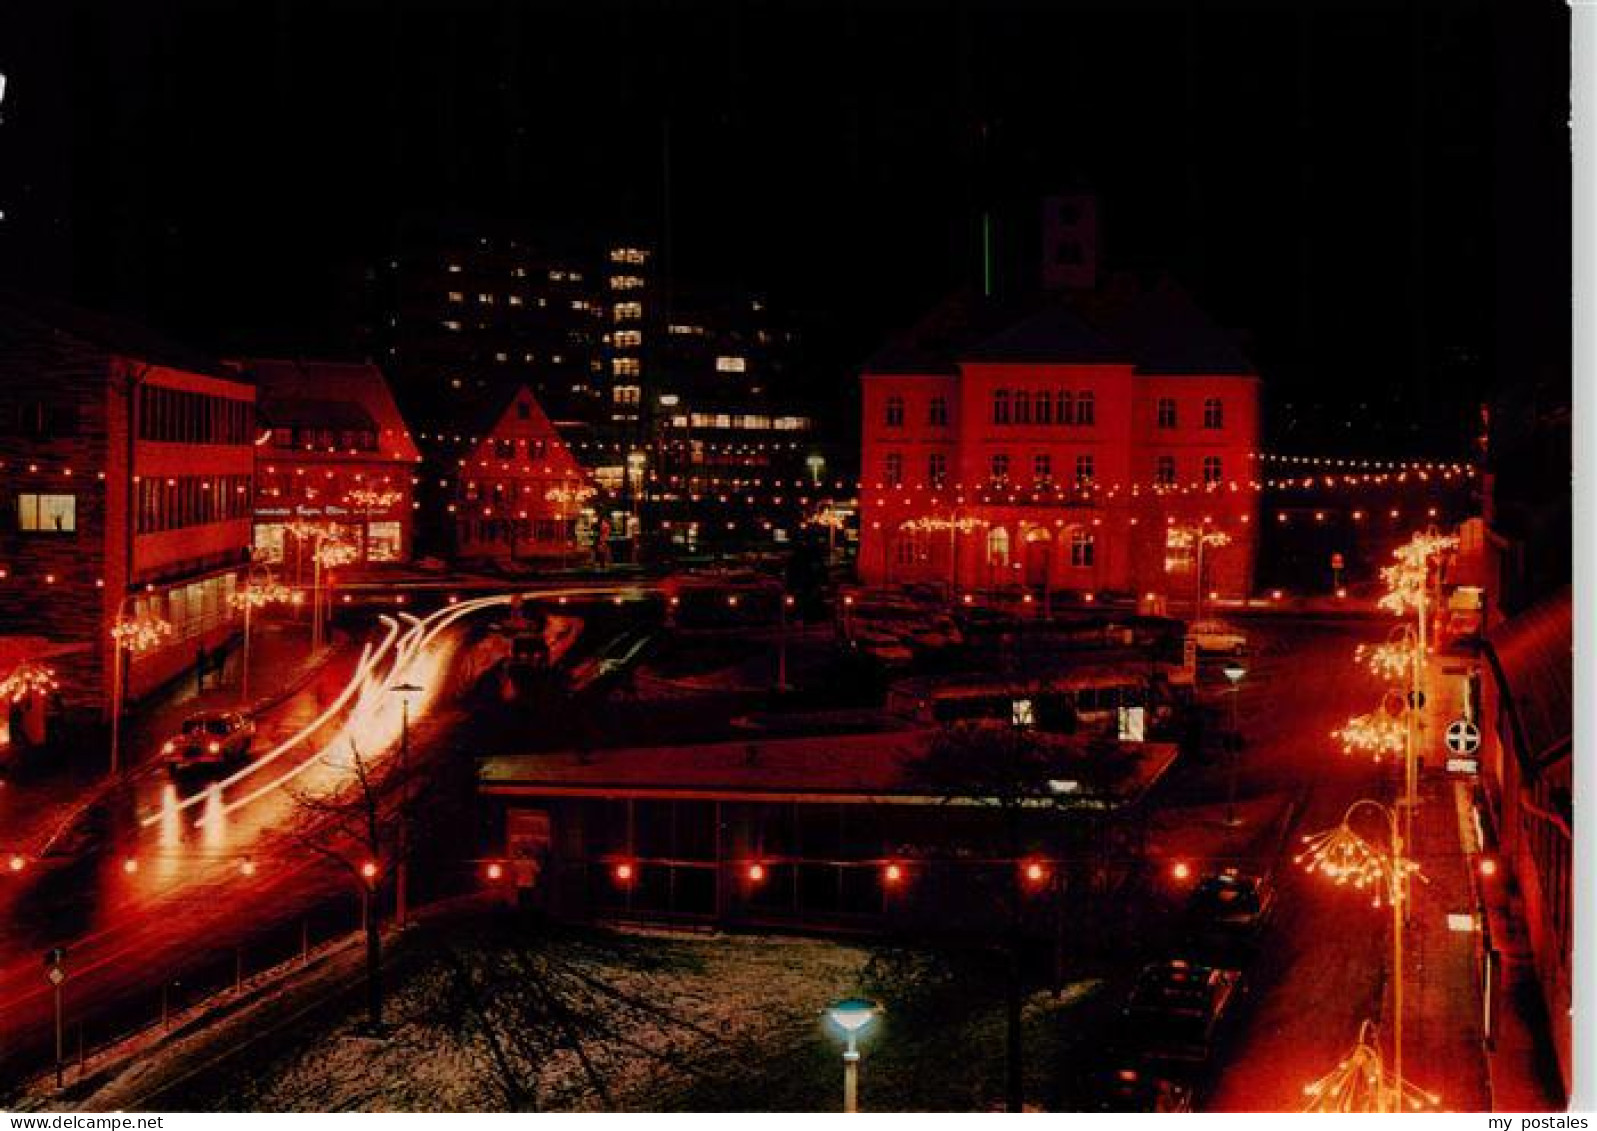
36,804
1444,1047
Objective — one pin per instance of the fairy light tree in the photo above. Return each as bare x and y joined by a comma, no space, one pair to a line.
1360,1084
1384,875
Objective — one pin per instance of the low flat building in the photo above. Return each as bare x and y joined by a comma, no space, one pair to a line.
332,451
126,488
831,832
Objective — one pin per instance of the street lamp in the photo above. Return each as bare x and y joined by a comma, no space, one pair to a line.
255,593
1347,858
405,691
816,463
852,1016
132,636
1234,673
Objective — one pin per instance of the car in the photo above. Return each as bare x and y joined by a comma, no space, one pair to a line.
1176,1009
1212,637
1231,906
209,740
1124,1089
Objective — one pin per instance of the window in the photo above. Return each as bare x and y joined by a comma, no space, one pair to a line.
1042,469
937,412
627,311
1083,548
893,469
999,466
998,547
1211,469
731,365
1085,409
485,299
1084,470
1042,408
457,296
625,366
628,339
626,395
1164,472
1000,406
47,514
1067,409
1213,413
1167,412
1022,407
176,416
505,449
936,469
895,412
514,300
625,282
383,541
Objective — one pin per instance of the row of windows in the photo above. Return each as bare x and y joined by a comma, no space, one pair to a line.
191,500
344,439
1042,469
37,420
1025,406
176,416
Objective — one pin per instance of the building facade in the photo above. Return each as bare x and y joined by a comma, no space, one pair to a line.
520,492
1097,442
334,452
126,491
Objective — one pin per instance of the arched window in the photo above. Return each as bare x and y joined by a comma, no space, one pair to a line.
998,547
1022,407
895,412
1083,548
1085,409
1213,413
1000,406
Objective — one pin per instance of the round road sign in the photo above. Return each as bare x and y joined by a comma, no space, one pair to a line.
1463,737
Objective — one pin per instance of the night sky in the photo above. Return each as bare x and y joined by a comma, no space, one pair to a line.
1375,194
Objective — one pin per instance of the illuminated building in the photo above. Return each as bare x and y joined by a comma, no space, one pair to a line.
1082,440
333,449
126,490
520,492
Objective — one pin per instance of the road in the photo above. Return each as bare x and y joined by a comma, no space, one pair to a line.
165,890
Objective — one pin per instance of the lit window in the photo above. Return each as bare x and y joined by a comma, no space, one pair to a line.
47,514
514,300
628,255
501,355
457,296
451,324
893,469
628,339
895,412
1165,471
625,282
1213,413
791,423
1167,412
729,364
454,268
1211,469
625,366
628,311
485,298
626,394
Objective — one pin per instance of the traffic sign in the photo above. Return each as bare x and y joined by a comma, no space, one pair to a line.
1463,737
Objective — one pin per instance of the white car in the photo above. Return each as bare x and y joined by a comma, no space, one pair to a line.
1214,636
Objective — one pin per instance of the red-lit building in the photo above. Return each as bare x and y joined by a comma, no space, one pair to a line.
520,492
126,486
1084,442
333,451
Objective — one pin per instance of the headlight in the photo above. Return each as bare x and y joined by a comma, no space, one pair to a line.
215,748
169,747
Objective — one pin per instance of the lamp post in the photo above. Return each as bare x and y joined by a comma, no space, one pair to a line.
405,691
256,592
129,637
816,463
1234,674
851,1016
1347,858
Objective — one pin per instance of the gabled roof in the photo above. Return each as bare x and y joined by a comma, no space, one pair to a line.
1535,659
509,423
353,395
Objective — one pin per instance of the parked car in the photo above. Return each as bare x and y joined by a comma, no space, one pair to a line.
1231,906
1214,637
1135,1090
209,740
1176,1009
